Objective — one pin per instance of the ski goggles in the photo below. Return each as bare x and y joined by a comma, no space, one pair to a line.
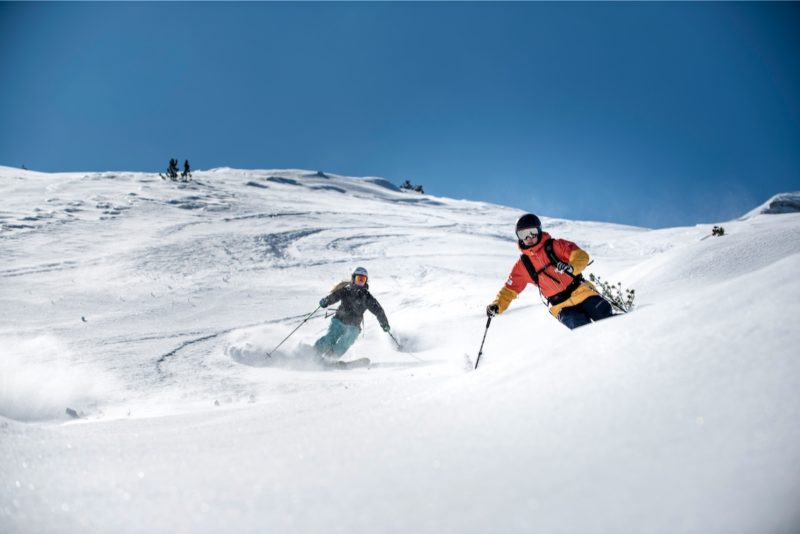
528,233
360,279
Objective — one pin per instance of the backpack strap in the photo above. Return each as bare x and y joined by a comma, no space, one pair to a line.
548,249
526,261
534,274
558,298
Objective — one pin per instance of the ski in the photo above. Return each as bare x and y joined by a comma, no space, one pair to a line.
353,364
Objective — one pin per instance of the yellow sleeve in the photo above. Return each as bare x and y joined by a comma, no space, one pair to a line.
579,259
504,298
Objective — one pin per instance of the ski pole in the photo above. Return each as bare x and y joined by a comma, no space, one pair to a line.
270,353
401,348
480,351
617,306
394,339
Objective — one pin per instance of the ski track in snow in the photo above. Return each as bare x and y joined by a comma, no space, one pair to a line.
148,306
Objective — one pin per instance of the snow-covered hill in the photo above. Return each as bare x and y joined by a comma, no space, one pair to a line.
146,305
781,203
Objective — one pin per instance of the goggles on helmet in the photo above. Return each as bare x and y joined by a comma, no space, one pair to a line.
360,279
527,234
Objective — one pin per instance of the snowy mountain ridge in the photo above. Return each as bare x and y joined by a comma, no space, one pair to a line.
778,204
148,305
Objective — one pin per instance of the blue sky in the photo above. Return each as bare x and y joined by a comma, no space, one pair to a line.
653,114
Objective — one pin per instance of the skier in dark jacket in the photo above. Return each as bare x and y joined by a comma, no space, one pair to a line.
346,324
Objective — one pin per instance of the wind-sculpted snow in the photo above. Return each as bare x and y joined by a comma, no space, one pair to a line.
224,252
779,204
277,245
281,180
147,307
329,188
383,183
41,268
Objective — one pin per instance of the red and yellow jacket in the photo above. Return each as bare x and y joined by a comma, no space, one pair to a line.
550,282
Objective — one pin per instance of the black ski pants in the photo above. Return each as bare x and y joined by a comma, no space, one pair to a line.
592,309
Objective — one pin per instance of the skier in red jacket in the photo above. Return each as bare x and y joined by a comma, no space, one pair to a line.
554,266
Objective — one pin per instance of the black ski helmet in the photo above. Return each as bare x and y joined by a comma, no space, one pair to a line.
526,222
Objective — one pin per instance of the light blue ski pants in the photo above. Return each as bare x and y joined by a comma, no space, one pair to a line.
339,338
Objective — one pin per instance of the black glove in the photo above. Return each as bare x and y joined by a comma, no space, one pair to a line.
323,303
562,267
386,328
491,310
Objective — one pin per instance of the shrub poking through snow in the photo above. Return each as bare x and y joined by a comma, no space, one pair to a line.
172,171
718,231
407,186
620,298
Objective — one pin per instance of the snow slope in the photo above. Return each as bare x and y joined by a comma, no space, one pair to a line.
781,203
147,306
